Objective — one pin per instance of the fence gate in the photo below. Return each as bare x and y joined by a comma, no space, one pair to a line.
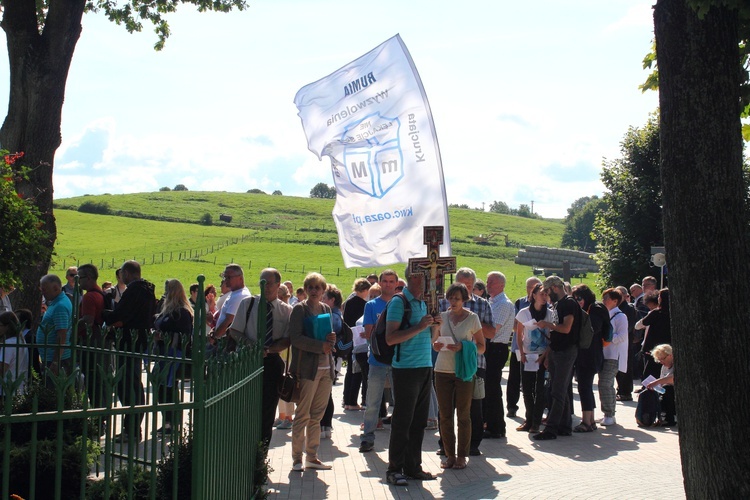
99,430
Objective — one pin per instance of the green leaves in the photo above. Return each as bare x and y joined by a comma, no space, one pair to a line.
132,13
629,222
22,239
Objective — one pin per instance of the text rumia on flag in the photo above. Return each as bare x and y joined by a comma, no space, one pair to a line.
372,119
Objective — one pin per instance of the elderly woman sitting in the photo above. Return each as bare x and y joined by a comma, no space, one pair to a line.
663,354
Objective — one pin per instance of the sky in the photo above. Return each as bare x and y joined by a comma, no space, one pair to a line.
528,98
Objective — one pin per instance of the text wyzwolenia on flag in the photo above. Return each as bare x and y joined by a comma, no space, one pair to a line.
372,119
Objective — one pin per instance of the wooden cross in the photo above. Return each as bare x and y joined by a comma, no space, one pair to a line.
433,268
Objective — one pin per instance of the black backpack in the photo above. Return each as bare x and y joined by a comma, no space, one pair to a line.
109,299
381,351
585,329
648,408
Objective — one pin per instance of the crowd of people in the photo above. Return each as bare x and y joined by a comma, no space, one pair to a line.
447,370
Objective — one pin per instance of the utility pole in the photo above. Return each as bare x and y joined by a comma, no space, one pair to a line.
532,207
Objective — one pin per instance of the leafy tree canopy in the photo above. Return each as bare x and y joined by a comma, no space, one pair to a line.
180,187
579,223
630,221
277,193
499,207
131,14
322,190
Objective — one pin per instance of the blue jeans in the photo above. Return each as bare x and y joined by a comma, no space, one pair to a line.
375,385
560,373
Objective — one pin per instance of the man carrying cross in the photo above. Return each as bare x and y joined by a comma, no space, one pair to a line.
412,377
412,368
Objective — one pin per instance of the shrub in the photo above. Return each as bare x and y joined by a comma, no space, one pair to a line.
72,457
166,470
206,219
164,188
180,187
95,207
118,487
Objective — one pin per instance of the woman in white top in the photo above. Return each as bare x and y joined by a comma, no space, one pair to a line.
454,394
533,346
14,356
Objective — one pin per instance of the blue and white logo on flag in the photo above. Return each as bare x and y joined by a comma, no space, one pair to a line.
376,163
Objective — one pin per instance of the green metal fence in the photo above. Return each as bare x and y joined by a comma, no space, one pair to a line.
88,433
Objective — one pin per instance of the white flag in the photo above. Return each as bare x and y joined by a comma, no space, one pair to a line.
372,119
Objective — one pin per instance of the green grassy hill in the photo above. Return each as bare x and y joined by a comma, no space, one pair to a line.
295,235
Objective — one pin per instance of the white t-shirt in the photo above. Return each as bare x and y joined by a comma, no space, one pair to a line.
535,339
17,358
231,304
446,360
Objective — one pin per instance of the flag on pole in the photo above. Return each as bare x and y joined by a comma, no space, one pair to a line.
372,119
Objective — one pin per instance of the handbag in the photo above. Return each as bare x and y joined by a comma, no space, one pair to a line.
478,388
289,389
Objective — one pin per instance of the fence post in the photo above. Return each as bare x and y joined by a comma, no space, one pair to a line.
198,386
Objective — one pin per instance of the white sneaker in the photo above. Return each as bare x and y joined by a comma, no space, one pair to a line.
609,421
277,422
317,465
298,467
285,424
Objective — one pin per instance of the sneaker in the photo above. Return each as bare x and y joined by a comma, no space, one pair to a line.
316,464
380,426
325,432
609,421
387,420
285,424
365,447
277,422
298,467
432,424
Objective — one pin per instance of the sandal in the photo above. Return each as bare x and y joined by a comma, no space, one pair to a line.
460,463
396,479
448,464
583,428
422,476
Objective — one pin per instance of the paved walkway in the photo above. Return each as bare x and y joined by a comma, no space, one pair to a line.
622,461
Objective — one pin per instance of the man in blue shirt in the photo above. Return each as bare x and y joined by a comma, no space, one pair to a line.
412,377
55,327
378,372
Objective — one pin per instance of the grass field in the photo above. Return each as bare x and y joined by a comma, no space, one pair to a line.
295,235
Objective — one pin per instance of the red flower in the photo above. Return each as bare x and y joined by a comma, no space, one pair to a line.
11,159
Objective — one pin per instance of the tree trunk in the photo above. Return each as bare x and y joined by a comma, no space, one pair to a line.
706,240
39,64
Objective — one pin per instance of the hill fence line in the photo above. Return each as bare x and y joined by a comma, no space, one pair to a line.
191,254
